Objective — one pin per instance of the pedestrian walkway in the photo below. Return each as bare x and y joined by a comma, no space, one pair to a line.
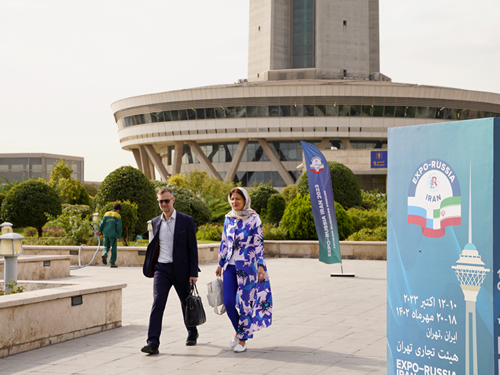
321,325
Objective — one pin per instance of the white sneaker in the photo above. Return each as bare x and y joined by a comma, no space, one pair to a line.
234,342
239,348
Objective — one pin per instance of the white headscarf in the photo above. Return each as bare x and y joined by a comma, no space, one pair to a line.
246,212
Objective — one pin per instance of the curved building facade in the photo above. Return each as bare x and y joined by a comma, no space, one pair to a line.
251,131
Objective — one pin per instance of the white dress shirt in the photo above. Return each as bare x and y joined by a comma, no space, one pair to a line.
167,228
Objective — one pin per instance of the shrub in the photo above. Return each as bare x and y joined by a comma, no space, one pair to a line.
219,210
189,204
78,209
27,203
130,184
128,214
77,229
367,218
289,193
2,197
345,185
274,232
46,232
259,197
367,234
299,222
374,199
276,205
210,232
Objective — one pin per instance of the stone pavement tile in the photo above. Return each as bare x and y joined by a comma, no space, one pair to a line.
100,370
64,369
24,367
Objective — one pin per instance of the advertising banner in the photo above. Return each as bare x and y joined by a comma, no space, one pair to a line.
443,286
323,206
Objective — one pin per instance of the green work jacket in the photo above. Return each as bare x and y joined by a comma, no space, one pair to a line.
111,224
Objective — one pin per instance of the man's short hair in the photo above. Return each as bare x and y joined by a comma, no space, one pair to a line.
164,190
117,206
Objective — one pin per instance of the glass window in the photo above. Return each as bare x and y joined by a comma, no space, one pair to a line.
332,110
308,110
367,111
200,113
139,119
285,111
210,113
36,164
160,116
297,110
230,112
430,112
241,112
220,112
303,34
400,111
147,118
263,111
252,111
182,115
274,111
191,114
355,110
420,112
320,110
175,115
378,111
410,112
344,110
154,117
389,111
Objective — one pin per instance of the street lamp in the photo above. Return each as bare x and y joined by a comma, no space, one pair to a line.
10,248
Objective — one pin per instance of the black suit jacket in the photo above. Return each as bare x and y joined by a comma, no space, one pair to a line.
185,251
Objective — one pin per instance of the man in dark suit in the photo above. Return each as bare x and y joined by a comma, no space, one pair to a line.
172,259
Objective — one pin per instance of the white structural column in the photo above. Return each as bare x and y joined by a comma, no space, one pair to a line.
177,162
207,165
156,159
346,143
137,157
323,143
235,163
276,162
145,162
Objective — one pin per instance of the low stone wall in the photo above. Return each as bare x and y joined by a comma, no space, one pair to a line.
42,267
47,316
134,256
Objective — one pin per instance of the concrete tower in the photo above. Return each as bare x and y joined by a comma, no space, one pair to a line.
314,39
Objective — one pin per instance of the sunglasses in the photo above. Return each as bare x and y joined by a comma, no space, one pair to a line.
167,201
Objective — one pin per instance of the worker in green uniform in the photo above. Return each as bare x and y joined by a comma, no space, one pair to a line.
111,228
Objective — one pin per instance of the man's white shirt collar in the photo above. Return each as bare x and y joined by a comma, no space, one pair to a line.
173,216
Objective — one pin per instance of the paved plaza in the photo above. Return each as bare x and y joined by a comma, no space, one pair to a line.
321,325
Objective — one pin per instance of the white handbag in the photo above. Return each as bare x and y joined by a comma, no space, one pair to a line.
215,296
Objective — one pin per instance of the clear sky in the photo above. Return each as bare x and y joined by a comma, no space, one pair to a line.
63,62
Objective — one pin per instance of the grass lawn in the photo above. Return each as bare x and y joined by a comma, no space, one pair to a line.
145,242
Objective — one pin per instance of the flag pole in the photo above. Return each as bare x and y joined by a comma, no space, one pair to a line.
342,274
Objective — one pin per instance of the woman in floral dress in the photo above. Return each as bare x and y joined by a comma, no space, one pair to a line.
246,287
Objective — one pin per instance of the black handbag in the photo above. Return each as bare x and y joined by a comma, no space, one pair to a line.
194,314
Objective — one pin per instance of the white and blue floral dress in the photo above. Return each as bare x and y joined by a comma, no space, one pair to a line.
254,301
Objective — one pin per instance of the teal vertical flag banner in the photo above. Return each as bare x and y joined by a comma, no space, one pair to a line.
323,206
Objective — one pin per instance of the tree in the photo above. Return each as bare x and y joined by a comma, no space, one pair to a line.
128,214
208,188
27,204
91,190
345,185
298,220
289,193
189,204
276,206
259,197
128,183
70,189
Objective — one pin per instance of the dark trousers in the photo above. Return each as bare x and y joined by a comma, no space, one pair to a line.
164,279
